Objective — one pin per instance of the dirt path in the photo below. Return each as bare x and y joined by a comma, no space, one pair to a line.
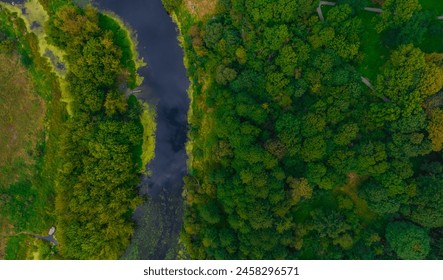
327,3
50,237
374,10
323,3
367,82
368,9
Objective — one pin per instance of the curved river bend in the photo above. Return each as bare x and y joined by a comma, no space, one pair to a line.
165,85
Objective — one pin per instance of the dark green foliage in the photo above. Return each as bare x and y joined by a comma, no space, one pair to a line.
396,13
409,241
378,198
413,31
291,155
356,5
427,205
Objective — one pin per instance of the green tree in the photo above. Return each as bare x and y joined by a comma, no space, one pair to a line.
426,208
435,129
378,198
408,241
396,13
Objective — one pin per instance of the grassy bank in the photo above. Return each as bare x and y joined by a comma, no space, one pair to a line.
103,139
83,116
27,179
126,39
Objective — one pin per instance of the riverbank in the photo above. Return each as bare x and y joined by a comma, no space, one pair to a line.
281,135
28,202
126,145
165,86
186,15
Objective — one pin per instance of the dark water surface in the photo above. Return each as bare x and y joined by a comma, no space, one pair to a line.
165,85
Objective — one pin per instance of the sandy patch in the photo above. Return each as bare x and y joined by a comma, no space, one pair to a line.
201,8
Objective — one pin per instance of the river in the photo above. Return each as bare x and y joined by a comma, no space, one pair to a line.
165,84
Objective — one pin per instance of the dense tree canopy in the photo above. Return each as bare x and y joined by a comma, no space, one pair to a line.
427,205
102,140
409,241
291,155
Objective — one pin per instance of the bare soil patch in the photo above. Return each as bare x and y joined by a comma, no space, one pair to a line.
201,8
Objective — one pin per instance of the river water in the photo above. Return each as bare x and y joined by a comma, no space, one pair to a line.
165,85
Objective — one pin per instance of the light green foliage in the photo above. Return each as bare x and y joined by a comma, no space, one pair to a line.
149,126
313,149
280,10
406,81
287,60
435,129
224,74
274,37
346,134
396,13
346,42
171,5
300,189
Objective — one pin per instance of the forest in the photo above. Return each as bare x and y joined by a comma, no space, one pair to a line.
104,135
311,138
103,139
315,131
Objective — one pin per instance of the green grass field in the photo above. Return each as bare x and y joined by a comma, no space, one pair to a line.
372,48
433,5
29,104
22,114
433,40
374,53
